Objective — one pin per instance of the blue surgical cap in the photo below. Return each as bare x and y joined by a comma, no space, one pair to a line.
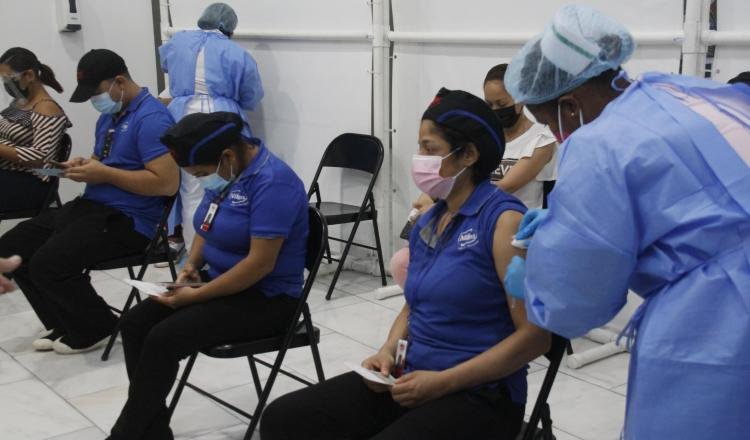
580,43
219,16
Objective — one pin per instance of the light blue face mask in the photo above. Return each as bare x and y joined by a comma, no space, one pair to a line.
105,104
214,182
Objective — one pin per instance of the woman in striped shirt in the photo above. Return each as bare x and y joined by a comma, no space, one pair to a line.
31,129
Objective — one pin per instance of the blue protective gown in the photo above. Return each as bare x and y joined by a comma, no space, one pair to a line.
651,197
232,76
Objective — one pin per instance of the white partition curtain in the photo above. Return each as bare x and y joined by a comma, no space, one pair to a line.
332,66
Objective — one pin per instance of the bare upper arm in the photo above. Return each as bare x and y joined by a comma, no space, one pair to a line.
527,168
502,253
166,170
48,108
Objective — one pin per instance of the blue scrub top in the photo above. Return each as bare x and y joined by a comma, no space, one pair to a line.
232,76
651,197
457,304
135,142
267,201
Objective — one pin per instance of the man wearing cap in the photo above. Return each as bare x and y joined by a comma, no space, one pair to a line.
653,196
127,178
252,229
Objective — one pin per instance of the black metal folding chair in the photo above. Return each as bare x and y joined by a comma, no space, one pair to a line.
356,152
52,200
157,251
298,334
541,411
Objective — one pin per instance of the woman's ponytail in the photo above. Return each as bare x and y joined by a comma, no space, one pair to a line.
47,76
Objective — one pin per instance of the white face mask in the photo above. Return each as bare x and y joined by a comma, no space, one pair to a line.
425,170
561,135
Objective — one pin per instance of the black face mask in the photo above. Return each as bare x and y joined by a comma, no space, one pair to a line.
15,89
508,116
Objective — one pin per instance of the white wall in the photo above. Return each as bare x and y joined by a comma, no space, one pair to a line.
123,26
733,15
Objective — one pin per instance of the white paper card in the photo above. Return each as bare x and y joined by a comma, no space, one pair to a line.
372,376
146,287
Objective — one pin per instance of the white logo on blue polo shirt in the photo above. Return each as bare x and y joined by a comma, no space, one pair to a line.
124,127
468,238
238,198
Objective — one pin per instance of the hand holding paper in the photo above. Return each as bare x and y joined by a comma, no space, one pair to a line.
372,376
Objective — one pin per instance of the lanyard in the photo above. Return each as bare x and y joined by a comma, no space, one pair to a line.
208,220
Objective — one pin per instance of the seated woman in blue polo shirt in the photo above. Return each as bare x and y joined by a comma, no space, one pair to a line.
468,343
254,247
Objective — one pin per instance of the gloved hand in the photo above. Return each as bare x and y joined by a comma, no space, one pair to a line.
515,278
529,223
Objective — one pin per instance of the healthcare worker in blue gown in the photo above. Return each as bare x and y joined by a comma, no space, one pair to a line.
653,195
208,73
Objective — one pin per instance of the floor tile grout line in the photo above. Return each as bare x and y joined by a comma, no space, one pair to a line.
67,402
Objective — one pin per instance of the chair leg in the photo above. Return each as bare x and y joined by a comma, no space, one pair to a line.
263,398
378,246
342,259
113,337
256,377
181,384
313,345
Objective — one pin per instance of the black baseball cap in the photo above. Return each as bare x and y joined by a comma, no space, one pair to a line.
96,66
200,138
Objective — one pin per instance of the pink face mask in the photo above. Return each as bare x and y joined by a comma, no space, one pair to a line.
425,170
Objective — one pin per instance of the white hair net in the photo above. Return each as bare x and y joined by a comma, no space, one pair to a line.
219,16
580,43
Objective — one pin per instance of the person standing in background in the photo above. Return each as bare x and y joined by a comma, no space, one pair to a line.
207,73
529,159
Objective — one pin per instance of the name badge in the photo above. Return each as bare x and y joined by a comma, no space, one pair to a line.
209,218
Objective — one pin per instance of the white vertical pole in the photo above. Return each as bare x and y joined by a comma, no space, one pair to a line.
381,109
693,49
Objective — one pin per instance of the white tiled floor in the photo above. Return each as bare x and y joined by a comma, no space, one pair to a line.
47,396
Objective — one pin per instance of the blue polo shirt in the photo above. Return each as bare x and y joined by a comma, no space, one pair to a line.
135,142
457,303
267,201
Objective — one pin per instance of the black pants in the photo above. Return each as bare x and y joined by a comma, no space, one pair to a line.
57,246
21,191
156,337
344,408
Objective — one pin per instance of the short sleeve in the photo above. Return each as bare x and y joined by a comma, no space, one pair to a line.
274,209
150,131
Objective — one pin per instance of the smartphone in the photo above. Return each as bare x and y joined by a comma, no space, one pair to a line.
57,164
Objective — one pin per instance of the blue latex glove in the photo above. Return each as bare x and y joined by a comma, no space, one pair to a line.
515,278
529,223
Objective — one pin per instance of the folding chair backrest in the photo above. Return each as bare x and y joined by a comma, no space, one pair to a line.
63,154
351,151
160,238
354,151
316,245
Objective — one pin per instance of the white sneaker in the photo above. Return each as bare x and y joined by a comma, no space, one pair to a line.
61,347
45,340
44,333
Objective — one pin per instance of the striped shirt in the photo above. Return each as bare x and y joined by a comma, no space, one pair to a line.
35,137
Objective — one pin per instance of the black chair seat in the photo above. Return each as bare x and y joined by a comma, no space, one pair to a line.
136,260
340,213
15,215
249,348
